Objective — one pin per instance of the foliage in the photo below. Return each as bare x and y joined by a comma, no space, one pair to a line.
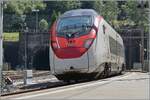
134,13
13,37
87,4
21,7
43,25
12,22
54,16
138,16
128,10
62,6
15,12
108,9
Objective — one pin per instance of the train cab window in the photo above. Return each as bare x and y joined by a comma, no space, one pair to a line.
78,25
104,28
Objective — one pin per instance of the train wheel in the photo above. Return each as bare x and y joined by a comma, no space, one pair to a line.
122,69
106,70
109,69
105,73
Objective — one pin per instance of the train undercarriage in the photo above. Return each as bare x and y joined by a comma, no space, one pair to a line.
77,76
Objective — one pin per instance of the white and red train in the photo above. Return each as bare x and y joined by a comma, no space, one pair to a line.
84,45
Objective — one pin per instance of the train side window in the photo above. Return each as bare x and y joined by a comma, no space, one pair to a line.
104,28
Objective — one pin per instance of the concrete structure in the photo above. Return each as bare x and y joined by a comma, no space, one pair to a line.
37,45
28,77
137,65
133,41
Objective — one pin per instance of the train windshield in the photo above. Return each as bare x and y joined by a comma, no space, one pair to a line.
78,25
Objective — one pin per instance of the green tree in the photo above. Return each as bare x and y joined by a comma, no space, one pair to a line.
108,9
87,4
67,5
138,16
43,25
60,7
54,16
15,12
20,7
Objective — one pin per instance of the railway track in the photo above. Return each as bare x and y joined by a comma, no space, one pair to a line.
121,85
50,84
20,74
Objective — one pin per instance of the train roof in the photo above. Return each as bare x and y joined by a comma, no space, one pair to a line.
80,12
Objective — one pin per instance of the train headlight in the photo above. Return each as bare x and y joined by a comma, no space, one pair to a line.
88,43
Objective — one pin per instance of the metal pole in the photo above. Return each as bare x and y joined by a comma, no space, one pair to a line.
149,39
36,21
142,48
142,38
25,52
130,50
1,43
26,57
36,11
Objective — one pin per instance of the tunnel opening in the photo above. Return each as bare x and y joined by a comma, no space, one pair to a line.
41,59
11,53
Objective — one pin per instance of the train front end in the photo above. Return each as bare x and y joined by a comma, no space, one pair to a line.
71,37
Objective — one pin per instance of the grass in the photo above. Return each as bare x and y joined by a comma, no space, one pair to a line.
11,37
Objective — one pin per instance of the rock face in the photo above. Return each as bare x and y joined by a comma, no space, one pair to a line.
36,47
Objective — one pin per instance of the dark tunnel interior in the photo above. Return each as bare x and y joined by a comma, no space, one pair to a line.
41,59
